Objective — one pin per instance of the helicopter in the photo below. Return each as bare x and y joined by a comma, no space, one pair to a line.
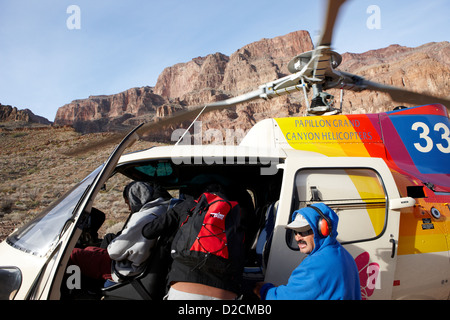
386,175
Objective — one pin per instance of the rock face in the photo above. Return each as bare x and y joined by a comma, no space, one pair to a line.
254,64
217,77
10,114
109,113
199,81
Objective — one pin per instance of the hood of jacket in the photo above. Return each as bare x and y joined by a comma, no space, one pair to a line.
140,193
312,216
329,272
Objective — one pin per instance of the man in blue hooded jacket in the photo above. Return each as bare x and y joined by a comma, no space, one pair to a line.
329,272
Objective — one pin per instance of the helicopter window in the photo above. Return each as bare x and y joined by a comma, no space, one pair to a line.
357,195
161,169
38,236
415,191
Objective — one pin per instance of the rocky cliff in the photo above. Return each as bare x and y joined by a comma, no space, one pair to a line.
217,76
12,114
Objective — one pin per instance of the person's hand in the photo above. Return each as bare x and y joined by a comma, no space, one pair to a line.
257,288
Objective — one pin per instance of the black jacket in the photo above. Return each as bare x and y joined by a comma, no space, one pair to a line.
209,270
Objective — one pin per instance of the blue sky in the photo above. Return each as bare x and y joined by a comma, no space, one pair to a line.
121,44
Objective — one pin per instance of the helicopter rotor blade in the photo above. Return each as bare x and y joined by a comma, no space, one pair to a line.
285,85
405,96
317,63
356,83
190,113
330,21
178,117
282,86
322,53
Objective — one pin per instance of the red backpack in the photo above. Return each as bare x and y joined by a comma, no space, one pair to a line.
211,236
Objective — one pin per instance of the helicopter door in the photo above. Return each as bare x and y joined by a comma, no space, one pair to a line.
47,283
358,190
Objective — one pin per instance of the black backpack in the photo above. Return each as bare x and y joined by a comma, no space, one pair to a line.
211,238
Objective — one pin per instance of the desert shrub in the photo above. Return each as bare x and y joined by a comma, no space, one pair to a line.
6,205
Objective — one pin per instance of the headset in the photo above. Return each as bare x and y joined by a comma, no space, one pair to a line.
324,226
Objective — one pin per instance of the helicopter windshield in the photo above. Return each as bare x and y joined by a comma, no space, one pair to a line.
38,236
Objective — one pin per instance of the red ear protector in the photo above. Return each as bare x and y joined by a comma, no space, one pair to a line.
324,226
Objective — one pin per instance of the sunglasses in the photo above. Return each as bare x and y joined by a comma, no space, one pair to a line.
304,233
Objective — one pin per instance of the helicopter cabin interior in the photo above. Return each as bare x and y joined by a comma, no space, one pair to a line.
258,196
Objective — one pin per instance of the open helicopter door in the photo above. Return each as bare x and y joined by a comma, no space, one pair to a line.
51,270
359,190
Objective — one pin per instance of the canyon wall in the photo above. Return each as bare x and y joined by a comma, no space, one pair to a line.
218,76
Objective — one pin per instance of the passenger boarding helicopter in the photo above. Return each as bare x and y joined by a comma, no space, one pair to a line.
387,176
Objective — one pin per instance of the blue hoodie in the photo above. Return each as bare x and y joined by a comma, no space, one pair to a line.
329,272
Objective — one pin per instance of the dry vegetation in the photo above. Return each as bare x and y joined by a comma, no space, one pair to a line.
35,171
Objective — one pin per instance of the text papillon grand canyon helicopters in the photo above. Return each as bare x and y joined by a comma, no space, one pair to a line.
387,175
